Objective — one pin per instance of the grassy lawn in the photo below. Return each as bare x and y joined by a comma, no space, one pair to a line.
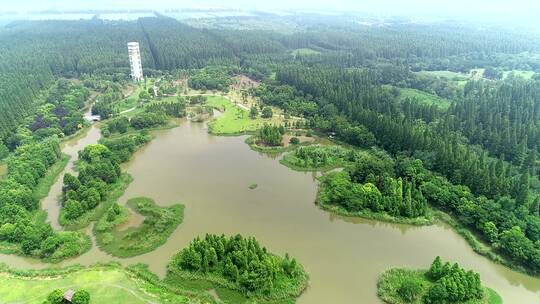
424,97
235,120
112,283
132,100
105,285
158,225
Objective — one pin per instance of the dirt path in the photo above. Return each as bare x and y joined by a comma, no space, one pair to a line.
128,110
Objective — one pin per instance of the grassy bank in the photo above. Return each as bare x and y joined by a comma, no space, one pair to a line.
379,216
317,157
290,161
44,185
159,223
225,292
112,283
392,281
74,244
239,264
285,147
480,246
108,283
116,191
252,142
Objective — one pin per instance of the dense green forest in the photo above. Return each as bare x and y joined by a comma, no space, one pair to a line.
477,158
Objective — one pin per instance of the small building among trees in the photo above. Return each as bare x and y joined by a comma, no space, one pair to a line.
68,295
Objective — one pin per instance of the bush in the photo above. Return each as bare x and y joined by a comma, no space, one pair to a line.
267,112
55,297
294,141
81,296
410,290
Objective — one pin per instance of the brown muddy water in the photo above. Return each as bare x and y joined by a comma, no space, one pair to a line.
344,257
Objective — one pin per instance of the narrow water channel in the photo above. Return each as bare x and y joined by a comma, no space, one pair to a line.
211,176
71,147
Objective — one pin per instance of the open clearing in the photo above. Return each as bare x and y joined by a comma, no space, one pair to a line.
304,52
424,97
235,120
105,285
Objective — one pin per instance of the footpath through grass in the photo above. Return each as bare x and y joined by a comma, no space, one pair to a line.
106,284
234,120
112,283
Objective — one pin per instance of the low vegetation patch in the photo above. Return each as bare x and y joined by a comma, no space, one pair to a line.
234,120
442,283
304,52
240,264
159,223
423,97
108,283
318,158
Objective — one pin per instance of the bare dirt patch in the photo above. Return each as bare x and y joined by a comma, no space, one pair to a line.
303,139
135,220
243,82
128,90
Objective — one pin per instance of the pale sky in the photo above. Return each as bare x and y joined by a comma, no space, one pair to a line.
498,10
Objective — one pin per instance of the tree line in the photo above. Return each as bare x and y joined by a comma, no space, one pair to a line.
488,194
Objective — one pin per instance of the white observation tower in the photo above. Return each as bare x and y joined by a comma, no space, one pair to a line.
135,61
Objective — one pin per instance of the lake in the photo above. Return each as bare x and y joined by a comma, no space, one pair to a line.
211,175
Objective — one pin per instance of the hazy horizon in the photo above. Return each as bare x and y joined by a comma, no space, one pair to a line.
517,12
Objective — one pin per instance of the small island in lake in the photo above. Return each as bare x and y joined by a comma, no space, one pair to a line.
441,283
